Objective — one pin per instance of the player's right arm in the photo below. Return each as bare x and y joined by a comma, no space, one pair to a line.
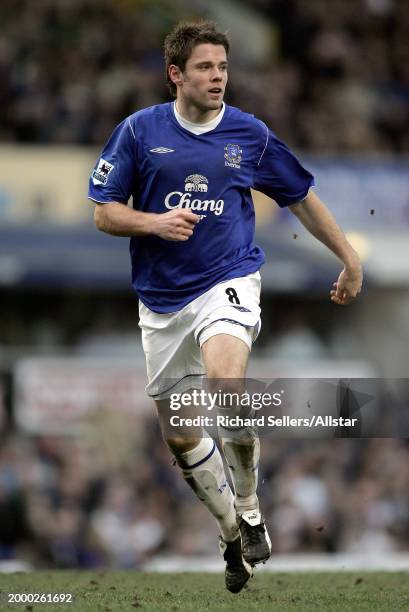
119,220
114,180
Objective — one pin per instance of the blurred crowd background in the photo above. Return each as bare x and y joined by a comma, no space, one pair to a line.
67,504
331,78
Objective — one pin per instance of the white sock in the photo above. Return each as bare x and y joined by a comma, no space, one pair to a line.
242,451
203,470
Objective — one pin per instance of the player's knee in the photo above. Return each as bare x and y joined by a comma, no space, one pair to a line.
181,444
228,390
226,372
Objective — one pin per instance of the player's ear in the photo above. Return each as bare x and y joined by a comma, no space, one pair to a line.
175,74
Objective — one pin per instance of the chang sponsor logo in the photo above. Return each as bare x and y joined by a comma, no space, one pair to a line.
194,184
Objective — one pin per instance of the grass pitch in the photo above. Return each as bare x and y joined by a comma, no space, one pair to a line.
127,591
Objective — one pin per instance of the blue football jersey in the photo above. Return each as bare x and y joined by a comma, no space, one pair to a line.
163,166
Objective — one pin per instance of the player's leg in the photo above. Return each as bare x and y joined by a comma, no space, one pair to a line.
225,357
202,467
173,359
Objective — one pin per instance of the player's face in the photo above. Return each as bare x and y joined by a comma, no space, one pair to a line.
203,82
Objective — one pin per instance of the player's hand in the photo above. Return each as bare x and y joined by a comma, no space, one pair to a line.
348,285
177,224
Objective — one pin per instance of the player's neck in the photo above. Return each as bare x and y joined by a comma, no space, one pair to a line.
191,113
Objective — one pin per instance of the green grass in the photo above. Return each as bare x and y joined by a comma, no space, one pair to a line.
109,591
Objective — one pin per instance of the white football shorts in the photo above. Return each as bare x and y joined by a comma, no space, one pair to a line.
172,342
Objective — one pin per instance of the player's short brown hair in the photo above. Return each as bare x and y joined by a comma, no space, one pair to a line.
181,41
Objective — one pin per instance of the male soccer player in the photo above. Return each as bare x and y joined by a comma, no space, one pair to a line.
189,166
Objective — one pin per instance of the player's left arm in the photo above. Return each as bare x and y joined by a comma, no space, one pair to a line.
318,220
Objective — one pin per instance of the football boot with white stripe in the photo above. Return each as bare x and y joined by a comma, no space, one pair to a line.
255,542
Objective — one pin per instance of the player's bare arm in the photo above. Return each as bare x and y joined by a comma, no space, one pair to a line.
318,220
118,220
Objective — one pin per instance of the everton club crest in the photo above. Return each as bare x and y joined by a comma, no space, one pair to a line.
233,155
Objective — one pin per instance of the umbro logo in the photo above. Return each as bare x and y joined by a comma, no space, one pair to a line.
161,150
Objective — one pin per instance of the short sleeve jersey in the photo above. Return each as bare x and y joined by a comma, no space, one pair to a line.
162,166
